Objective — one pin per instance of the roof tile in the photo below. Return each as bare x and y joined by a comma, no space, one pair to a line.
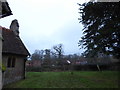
13,44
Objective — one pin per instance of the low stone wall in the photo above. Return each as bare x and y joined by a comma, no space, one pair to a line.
12,75
11,80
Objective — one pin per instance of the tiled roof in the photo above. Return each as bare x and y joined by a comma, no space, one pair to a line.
12,44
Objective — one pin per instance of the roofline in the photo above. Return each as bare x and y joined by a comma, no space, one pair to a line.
7,52
14,54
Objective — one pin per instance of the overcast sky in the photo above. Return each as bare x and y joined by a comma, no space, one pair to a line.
45,23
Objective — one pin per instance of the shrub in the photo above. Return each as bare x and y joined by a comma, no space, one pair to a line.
3,67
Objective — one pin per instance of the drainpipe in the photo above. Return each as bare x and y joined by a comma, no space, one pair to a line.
25,68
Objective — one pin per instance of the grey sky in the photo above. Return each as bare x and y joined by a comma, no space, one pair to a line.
44,23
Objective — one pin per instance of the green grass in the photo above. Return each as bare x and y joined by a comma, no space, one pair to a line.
81,79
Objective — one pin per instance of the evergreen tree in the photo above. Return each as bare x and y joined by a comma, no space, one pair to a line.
101,28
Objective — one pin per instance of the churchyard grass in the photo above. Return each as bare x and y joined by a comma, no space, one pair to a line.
79,79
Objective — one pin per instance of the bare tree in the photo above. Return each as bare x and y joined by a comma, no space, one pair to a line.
58,50
47,57
37,55
47,54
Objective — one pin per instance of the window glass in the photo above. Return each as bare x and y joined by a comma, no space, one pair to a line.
11,62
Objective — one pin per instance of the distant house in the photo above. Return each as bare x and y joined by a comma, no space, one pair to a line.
81,62
34,63
14,54
29,63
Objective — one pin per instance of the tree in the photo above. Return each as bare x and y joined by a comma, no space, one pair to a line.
38,55
101,28
58,50
47,59
47,54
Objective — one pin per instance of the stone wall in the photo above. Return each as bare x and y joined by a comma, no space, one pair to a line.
0,58
16,73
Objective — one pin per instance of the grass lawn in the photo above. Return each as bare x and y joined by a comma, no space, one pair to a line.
79,79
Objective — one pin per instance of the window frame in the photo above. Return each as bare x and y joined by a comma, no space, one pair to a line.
11,62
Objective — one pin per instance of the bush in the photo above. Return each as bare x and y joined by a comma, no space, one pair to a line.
2,67
33,69
86,67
